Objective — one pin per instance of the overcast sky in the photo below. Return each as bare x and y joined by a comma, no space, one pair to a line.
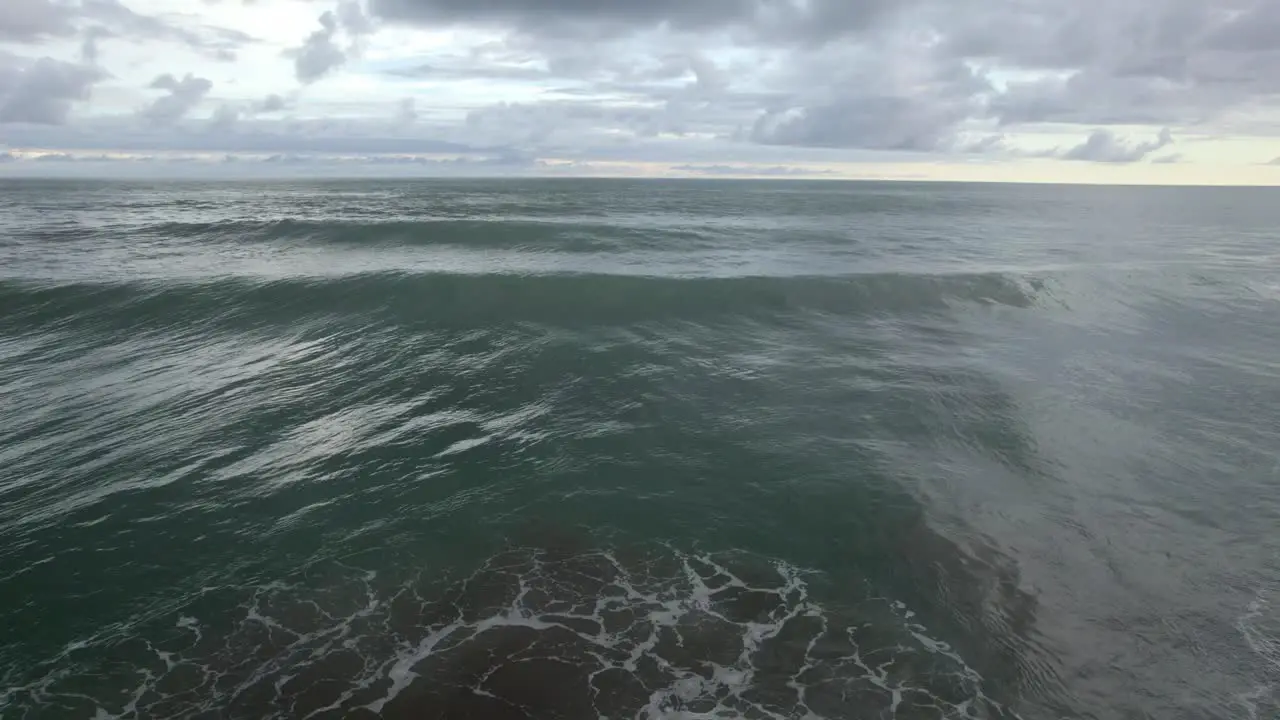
1059,90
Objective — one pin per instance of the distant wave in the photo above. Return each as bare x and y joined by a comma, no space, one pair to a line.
507,233
457,299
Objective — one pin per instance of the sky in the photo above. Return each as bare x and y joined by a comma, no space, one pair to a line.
1098,91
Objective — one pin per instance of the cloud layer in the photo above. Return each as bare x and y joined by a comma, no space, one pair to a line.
711,83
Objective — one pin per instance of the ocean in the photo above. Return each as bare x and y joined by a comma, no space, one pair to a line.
638,449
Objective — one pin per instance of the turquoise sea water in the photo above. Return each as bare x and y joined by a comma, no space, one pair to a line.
641,449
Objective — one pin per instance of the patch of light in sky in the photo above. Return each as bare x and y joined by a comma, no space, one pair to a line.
1002,78
279,23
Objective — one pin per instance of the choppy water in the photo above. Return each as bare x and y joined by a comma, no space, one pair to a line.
581,449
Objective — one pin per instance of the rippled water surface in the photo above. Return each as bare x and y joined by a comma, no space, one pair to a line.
638,449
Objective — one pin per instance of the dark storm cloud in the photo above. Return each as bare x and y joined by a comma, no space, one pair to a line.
43,91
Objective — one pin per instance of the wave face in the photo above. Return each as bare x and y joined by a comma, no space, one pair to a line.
562,449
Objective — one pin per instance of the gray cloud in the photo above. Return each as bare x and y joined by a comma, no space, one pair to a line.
652,75
407,111
215,42
285,165
1129,61
272,103
895,94
1102,145
319,54
708,77
224,119
506,160
1162,62
874,122
751,170
905,75
43,91
33,21
250,135
765,19
89,45
183,95
1171,159
1090,97
470,71
551,126
353,18
1276,161
987,144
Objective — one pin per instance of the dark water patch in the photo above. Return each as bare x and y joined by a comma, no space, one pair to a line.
630,632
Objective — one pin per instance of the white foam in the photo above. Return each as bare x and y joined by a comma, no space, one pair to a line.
543,597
